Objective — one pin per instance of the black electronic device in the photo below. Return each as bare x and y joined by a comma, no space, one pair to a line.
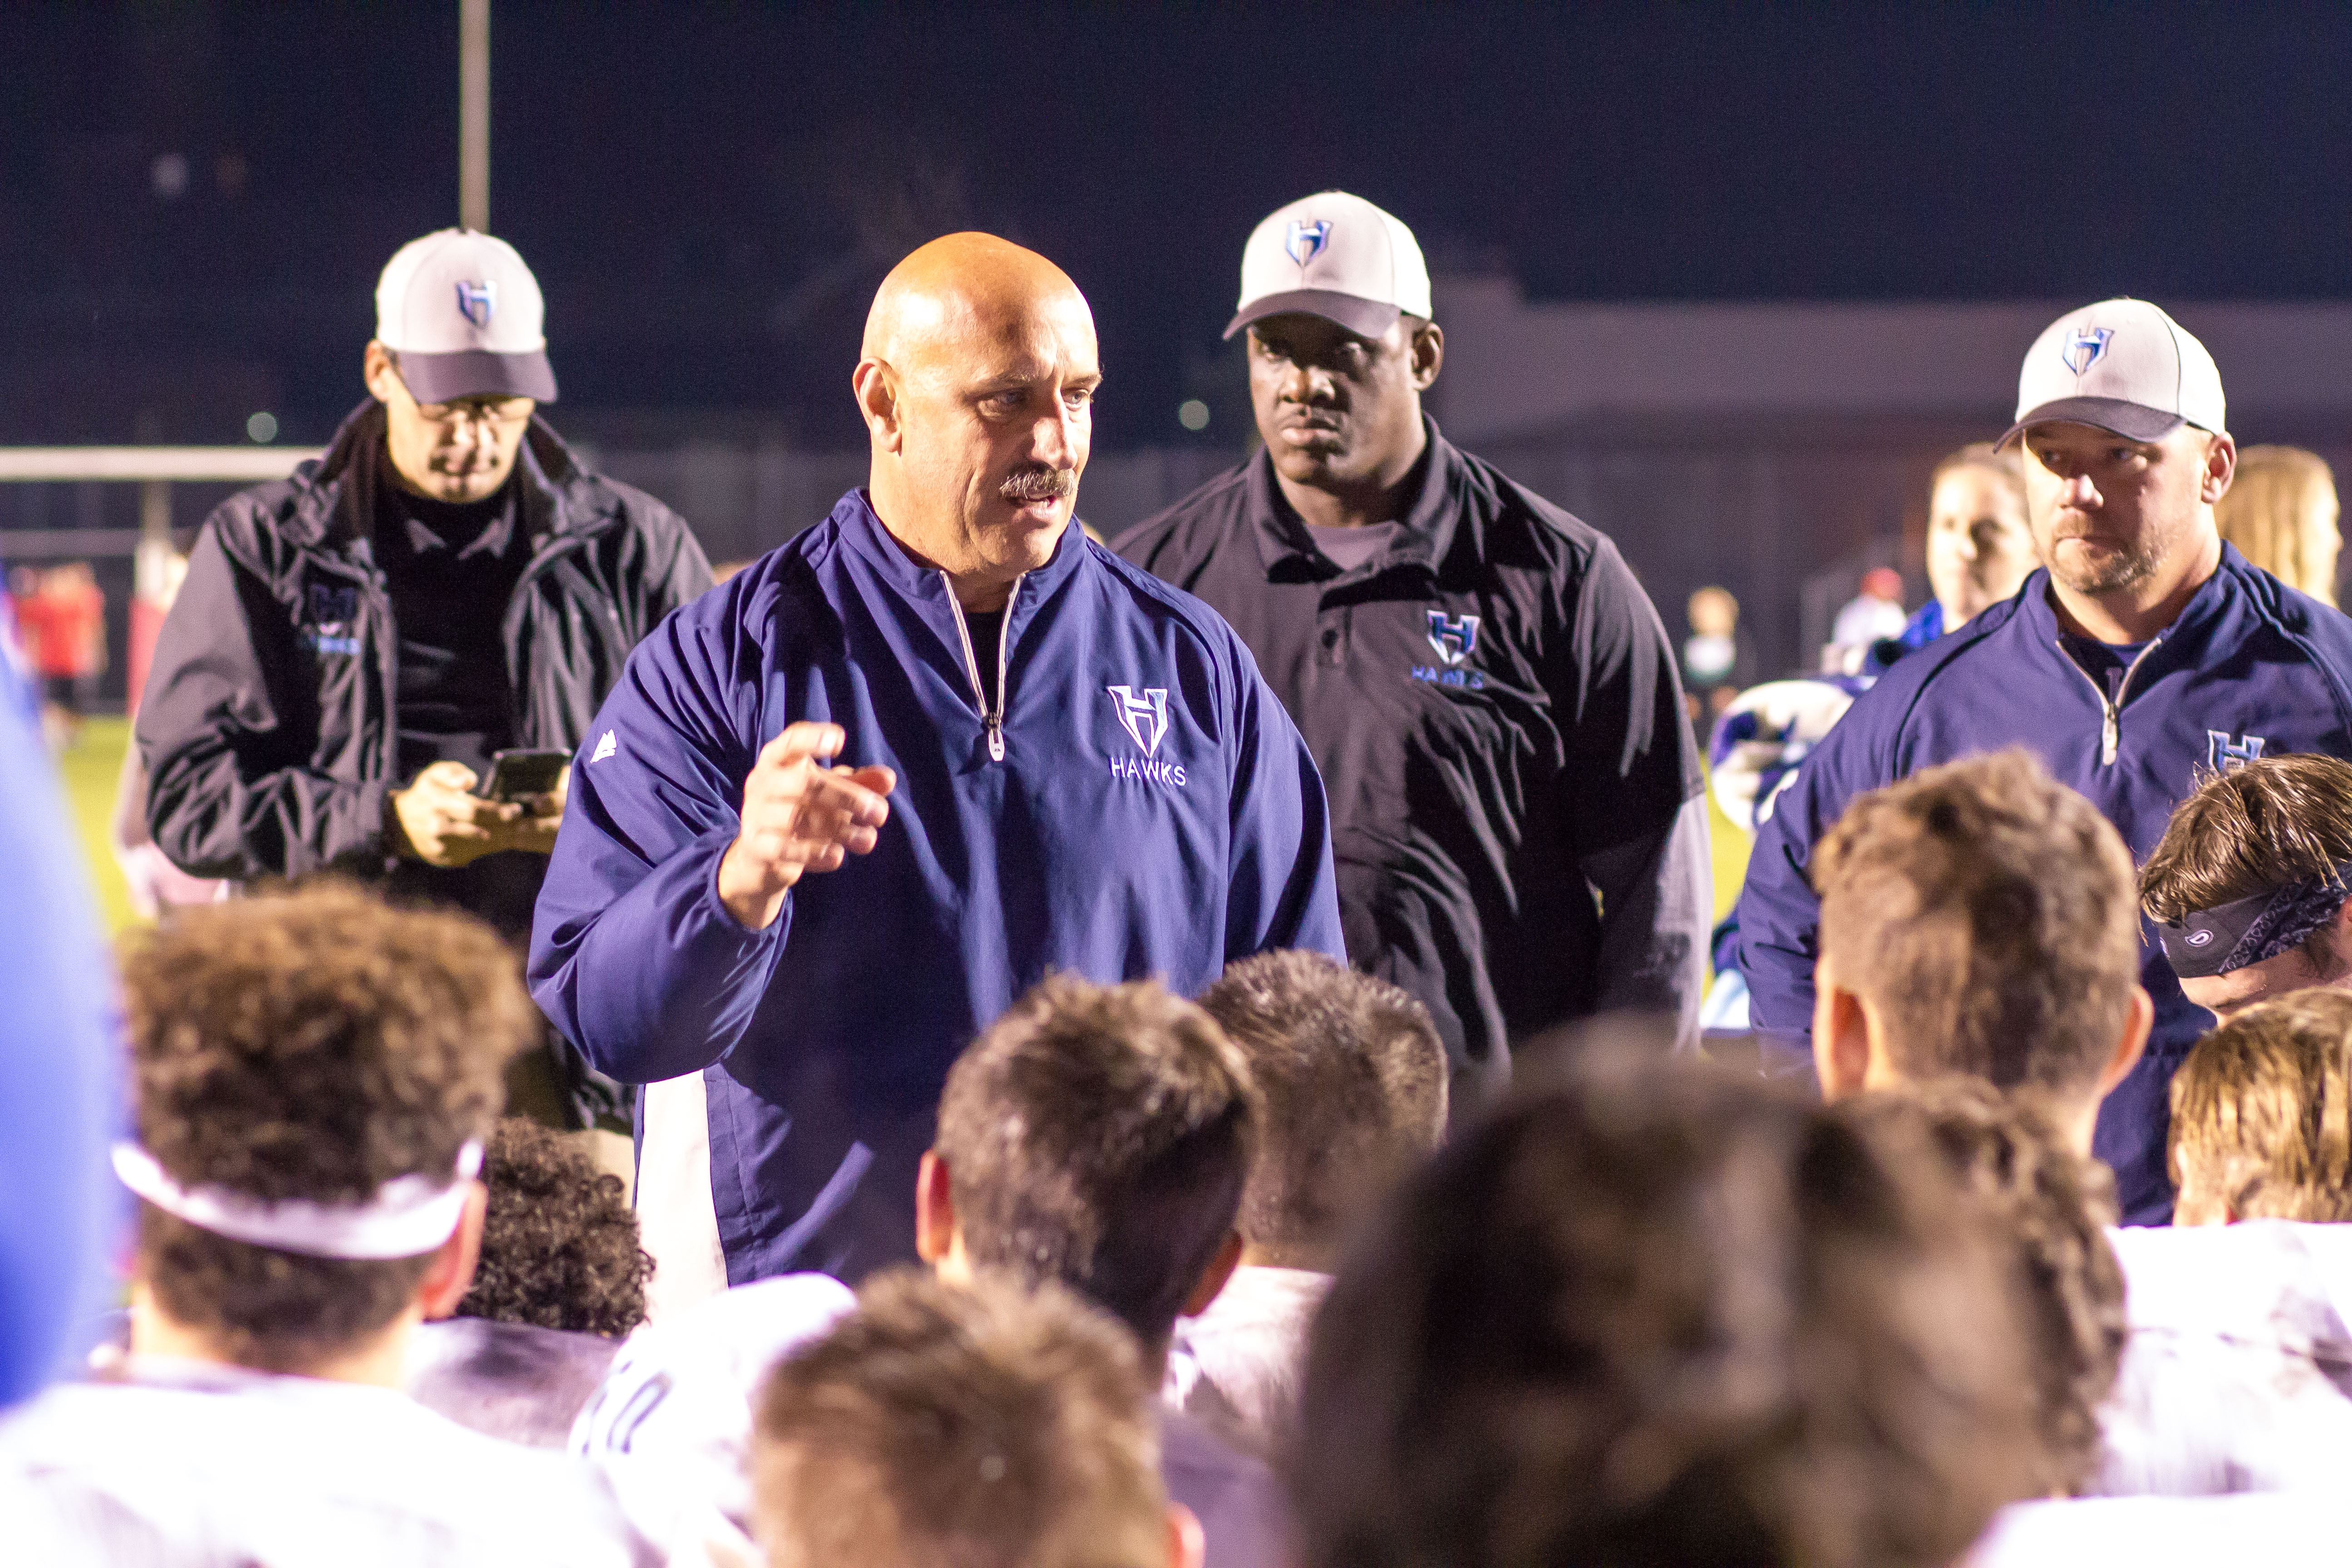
522,772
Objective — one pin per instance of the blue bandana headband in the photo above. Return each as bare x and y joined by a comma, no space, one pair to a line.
2249,930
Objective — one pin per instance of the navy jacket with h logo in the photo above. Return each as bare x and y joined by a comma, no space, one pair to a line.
2251,668
1136,804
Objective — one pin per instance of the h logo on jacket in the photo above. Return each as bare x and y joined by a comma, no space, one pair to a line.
1145,717
1456,638
2224,755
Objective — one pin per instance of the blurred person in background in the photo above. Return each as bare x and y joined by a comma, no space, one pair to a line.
1873,615
1716,660
2282,513
1516,808
2143,656
1979,546
61,620
352,646
1664,1315
2251,886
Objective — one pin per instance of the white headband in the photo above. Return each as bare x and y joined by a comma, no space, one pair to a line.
408,1216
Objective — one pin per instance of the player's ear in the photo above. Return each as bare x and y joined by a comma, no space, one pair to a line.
1212,1278
451,1274
1187,1546
935,1216
2138,1023
1428,351
876,390
378,371
1841,1045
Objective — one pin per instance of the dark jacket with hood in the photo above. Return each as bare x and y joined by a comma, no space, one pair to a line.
267,725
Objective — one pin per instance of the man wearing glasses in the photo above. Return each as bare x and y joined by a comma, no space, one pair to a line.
355,646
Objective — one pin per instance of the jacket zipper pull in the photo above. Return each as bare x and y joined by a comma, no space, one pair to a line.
996,737
2108,738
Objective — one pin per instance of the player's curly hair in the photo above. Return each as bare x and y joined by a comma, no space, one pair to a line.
2051,1206
560,1246
307,1044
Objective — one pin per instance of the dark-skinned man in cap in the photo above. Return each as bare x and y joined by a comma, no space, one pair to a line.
1515,806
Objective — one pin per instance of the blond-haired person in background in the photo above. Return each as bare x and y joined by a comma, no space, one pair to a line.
2280,512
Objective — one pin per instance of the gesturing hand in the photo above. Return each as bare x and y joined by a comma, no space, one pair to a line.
798,816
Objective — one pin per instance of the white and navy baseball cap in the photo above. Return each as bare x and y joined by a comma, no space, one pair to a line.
2122,365
464,317
1334,255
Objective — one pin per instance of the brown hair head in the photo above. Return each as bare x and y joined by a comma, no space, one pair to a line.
2048,1205
559,1242
1986,913
1664,1316
2273,821
2262,1112
935,1426
2280,511
1099,1136
316,1044
1352,1080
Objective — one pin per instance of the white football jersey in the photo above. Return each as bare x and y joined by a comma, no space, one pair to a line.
2238,1373
197,1466
671,1426
2165,1532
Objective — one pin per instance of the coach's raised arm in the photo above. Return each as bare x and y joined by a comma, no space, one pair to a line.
838,814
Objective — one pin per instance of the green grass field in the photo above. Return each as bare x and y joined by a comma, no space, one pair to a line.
90,767
90,763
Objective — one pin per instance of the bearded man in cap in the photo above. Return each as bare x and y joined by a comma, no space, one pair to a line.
840,813
2145,655
353,646
1516,799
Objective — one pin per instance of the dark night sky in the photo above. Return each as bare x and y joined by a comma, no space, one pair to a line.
710,194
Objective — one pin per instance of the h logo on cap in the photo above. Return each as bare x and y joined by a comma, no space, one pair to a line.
1306,240
2083,347
478,302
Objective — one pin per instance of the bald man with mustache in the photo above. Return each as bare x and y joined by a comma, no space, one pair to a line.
841,811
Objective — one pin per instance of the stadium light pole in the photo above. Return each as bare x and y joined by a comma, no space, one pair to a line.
473,114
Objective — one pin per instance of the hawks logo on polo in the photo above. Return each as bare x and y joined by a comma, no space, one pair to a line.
1144,716
1453,638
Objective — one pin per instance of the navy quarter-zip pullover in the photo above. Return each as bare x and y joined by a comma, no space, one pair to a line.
1121,797
2250,669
